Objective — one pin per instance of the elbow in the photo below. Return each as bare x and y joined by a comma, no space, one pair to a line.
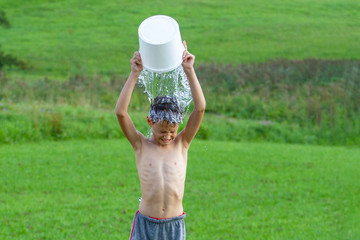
120,113
201,108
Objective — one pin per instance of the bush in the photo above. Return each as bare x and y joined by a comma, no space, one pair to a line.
308,92
7,59
308,101
3,20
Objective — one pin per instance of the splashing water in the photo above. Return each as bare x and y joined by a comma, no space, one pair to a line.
174,84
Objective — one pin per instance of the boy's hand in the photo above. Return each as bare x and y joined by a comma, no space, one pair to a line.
136,63
188,59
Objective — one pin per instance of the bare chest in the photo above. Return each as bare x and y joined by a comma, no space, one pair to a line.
162,166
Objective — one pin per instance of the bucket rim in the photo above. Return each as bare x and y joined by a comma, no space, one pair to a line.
163,70
146,40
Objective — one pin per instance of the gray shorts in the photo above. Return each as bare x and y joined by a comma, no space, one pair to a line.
148,228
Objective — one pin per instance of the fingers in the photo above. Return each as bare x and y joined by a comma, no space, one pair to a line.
136,58
137,54
185,51
187,56
136,63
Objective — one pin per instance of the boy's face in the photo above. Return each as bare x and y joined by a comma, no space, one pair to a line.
163,132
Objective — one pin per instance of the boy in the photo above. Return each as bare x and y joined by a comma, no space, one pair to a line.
161,160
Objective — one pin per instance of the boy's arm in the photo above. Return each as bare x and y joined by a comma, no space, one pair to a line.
121,108
197,114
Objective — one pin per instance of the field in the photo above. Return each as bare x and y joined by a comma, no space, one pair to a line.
277,155
64,38
90,190
285,67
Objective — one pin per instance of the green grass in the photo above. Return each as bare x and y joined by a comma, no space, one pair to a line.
70,37
90,190
22,122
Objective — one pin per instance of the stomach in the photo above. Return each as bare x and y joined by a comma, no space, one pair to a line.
162,201
159,210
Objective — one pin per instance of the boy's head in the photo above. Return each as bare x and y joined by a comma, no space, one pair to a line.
164,117
165,108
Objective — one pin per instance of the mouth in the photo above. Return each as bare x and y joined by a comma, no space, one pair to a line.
164,140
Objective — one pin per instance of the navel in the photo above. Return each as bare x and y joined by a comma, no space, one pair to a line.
150,164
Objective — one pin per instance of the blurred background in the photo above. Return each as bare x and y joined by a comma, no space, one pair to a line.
271,71
277,153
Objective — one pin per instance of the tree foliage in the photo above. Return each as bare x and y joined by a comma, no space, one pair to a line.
8,59
3,20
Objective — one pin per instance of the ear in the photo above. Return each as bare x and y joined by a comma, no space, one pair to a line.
149,121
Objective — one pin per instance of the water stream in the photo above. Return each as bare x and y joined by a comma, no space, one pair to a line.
174,84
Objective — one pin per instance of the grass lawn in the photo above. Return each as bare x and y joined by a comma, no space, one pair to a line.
90,189
78,37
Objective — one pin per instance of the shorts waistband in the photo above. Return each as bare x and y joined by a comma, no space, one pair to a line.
162,220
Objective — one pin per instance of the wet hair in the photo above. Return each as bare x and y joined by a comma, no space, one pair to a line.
165,108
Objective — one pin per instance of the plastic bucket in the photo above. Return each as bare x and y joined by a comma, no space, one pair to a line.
160,44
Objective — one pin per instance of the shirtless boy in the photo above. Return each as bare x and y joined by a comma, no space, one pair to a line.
161,160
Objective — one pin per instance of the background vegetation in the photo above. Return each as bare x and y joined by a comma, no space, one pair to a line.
308,101
272,71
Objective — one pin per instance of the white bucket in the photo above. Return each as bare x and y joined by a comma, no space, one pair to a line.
160,44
